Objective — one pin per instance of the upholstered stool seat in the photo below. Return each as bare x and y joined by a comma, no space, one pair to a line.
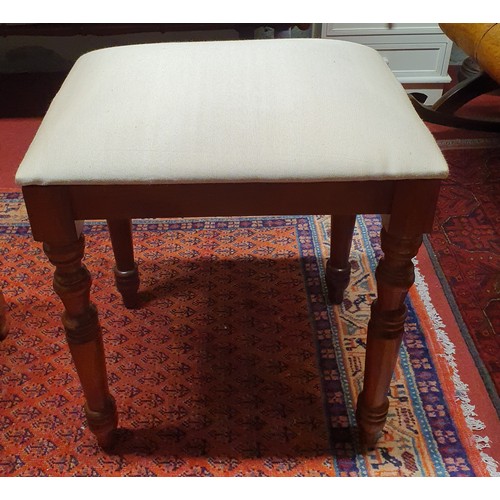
263,110
231,128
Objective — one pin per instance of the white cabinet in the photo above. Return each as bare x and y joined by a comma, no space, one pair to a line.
417,53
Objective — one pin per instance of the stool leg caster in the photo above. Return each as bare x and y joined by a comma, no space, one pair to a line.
371,421
103,424
127,283
338,267
395,275
126,270
83,333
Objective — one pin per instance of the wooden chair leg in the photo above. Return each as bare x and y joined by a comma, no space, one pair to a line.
3,318
125,270
465,91
72,283
395,275
338,267
443,111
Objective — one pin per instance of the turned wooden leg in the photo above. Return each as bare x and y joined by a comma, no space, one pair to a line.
72,284
395,275
3,318
338,267
125,270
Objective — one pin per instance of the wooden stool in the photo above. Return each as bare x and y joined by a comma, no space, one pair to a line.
264,127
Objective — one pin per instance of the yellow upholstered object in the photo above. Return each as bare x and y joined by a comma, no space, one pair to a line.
480,41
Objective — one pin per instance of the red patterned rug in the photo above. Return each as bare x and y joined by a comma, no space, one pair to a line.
234,365
466,244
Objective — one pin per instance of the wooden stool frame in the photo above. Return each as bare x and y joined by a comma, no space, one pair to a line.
54,212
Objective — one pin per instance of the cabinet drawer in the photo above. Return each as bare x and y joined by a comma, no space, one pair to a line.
415,62
341,29
412,58
417,53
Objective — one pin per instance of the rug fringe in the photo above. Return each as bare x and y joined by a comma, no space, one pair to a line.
461,388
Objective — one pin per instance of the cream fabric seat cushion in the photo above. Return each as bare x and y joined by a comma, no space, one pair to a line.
232,111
